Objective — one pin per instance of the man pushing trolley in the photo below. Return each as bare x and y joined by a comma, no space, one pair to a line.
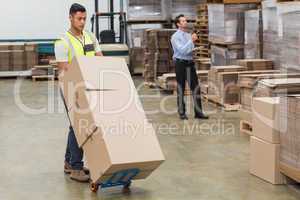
107,118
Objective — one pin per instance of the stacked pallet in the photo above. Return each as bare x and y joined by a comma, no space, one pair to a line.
158,54
167,82
41,72
271,39
226,31
256,64
248,82
223,80
277,87
137,60
17,56
253,34
202,49
222,90
289,44
289,136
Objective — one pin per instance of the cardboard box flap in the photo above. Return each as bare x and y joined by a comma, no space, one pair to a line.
106,73
281,82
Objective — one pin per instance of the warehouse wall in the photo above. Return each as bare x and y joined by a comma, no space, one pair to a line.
32,20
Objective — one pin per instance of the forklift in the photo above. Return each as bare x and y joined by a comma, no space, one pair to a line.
111,44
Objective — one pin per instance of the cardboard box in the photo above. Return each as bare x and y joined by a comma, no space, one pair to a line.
256,64
264,160
289,135
245,115
266,119
108,118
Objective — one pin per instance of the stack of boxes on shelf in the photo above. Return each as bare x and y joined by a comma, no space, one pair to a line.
158,54
223,80
227,31
289,136
253,34
144,10
270,31
18,56
264,85
222,87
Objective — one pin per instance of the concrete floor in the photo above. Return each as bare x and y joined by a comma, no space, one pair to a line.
201,164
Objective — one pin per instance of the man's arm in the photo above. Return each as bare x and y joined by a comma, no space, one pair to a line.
96,45
99,53
186,48
61,55
62,66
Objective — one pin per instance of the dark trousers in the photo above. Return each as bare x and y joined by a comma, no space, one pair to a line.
74,154
185,71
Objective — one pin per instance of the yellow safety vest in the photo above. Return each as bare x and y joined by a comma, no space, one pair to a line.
77,47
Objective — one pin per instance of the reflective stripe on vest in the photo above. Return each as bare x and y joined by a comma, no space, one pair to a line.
75,47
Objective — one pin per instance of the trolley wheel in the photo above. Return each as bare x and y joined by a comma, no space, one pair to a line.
94,187
127,185
126,188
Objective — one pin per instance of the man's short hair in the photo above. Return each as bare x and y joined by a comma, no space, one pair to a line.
76,7
177,19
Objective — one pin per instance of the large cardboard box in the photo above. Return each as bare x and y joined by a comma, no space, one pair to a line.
108,118
266,119
264,160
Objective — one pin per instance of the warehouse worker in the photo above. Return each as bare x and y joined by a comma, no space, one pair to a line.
75,42
183,45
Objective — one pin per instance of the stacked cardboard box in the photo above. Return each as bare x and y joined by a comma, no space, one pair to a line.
289,136
265,142
252,44
256,64
186,7
226,22
103,124
248,82
226,54
226,32
223,88
277,87
271,39
17,56
158,53
289,54
137,60
144,10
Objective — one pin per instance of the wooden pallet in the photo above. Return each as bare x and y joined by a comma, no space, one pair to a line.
43,77
290,172
150,84
226,107
246,127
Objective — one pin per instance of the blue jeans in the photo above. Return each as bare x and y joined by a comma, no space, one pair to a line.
74,154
